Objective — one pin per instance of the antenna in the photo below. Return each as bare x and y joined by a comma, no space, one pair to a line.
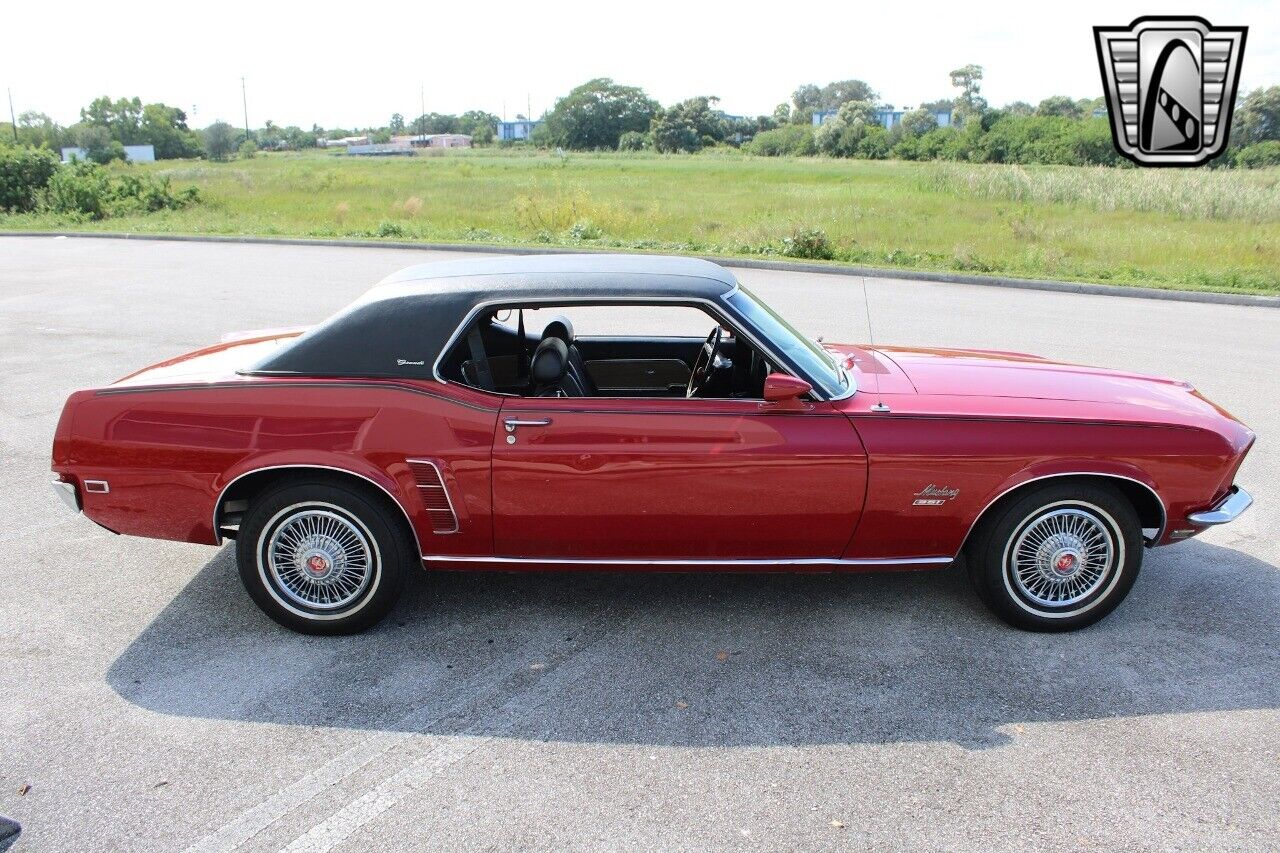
879,406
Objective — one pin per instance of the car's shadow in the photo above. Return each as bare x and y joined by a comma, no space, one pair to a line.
705,660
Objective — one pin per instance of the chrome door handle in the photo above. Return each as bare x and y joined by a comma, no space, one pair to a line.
512,423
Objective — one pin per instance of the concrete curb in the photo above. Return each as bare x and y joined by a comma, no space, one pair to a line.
741,263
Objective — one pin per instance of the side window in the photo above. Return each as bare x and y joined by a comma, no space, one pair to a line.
606,350
652,321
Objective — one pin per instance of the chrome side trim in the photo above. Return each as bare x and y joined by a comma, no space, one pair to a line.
727,561
217,504
444,487
67,491
1228,509
718,312
1164,512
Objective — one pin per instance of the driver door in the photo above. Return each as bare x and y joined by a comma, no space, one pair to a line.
606,478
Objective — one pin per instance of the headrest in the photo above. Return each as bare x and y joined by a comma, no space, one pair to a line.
550,361
559,327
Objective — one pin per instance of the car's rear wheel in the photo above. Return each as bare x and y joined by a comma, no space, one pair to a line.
1057,557
323,558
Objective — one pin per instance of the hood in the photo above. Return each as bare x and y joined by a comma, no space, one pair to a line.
213,363
976,381
987,373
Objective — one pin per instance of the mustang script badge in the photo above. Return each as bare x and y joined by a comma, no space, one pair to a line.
932,495
1171,87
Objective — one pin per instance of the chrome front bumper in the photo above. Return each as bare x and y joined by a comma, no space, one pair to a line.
68,493
1228,509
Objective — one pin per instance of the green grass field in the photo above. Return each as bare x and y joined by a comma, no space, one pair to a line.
1190,229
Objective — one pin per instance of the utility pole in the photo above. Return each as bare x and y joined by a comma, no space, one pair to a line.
422,112
244,99
13,120
528,107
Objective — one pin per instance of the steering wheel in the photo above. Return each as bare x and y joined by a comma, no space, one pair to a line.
704,365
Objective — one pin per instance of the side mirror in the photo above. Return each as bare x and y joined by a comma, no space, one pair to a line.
779,387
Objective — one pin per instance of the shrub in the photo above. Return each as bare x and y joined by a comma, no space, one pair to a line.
672,131
918,122
24,173
219,140
1259,155
247,149
874,145
98,144
585,229
826,136
933,144
390,229
88,191
907,148
632,140
78,190
808,243
792,140
482,134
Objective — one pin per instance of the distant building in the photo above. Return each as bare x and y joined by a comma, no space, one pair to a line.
132,153
512,131
343,142
447,140
433,140
377,150
888,118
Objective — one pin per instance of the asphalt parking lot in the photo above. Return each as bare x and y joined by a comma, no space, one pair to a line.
146,704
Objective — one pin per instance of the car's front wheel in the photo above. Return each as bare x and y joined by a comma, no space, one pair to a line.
1058,557
323,557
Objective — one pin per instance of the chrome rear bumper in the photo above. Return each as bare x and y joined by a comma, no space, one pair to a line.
68,493
1228,509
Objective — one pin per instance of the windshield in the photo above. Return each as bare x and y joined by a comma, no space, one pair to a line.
813,360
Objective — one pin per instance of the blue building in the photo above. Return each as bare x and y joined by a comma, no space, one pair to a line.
511,131
889,118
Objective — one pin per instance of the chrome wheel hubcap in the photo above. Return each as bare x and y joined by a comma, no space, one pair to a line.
1062,557
319,559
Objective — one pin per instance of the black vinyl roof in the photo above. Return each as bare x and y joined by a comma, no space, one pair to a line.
399,328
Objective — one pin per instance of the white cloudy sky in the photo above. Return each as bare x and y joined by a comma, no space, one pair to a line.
354,63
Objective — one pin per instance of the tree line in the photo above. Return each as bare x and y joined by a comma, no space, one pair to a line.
602,114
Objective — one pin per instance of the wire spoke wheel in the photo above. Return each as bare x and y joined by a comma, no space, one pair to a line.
318,557
1061,557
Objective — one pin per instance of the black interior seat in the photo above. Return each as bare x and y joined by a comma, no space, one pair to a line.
560,327
550,371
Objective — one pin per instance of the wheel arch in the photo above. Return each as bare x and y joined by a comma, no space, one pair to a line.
1150,508
252,482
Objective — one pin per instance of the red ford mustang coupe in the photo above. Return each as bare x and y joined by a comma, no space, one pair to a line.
571,412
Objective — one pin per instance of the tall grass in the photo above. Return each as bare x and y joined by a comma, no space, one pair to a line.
1193,229
1245,196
